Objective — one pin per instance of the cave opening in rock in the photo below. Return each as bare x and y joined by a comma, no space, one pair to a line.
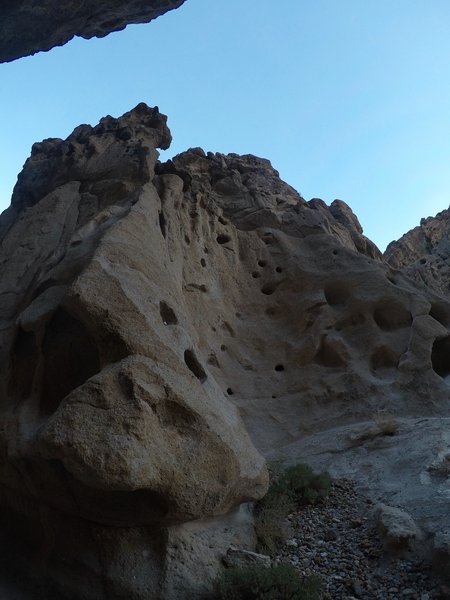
70,358
194,365
441,313
389,316
162,224
168,315
336,292
223,238
23,365
440,357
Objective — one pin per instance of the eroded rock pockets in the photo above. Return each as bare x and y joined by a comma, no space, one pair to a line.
30,27
149,306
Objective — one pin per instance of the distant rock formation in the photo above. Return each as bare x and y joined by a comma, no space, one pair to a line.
30,26
146,304
424,253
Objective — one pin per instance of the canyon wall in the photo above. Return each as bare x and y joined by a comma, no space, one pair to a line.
150,310
423,253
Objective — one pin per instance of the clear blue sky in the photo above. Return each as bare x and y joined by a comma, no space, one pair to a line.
349,99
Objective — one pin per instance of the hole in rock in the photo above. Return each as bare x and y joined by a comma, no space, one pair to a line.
262,263
70,358
336,293
440,357
168,315
205,250
440,311
187,240
223,238
222,221
203,262
213,361
162,223
423,261
391,279
279,270
279,368
273,396
389,316
268,238
383,358
223,348
255,274
194,365
230,391
335,252
269,288
330,355
23,365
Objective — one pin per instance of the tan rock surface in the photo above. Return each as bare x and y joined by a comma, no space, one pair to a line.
29,26
145,305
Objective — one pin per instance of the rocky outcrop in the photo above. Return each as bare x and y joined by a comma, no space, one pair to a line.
114,435
423,253
28,26
147,308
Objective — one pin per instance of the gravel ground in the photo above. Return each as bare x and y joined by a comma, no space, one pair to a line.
337,541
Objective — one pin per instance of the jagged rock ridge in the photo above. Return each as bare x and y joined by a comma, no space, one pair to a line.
423,253
29,26
144,305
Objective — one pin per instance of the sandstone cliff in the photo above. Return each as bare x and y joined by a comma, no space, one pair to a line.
28,26
424,253
147,308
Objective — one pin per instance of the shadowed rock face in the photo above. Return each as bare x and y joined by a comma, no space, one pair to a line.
29,26
146,308
424,253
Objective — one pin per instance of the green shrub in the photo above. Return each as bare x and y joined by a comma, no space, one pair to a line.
303,485
281,582
289,489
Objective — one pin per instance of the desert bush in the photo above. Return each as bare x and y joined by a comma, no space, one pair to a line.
303,485
281,582
386,423
289,489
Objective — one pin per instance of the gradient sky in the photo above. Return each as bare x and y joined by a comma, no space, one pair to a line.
349,99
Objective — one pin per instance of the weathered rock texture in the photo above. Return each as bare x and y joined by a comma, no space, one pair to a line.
138,300
29,26
424,253
110,419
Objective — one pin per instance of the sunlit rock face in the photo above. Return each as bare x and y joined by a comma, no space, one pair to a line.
424,253
148,311
29,26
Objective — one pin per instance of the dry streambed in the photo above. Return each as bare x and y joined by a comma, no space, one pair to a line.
338,540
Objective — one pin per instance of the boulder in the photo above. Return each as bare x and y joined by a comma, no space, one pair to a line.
397,527
114,434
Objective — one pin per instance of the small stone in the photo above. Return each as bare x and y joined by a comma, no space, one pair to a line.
356,523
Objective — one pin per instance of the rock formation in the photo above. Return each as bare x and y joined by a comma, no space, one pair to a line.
29,26
145,305
424,253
